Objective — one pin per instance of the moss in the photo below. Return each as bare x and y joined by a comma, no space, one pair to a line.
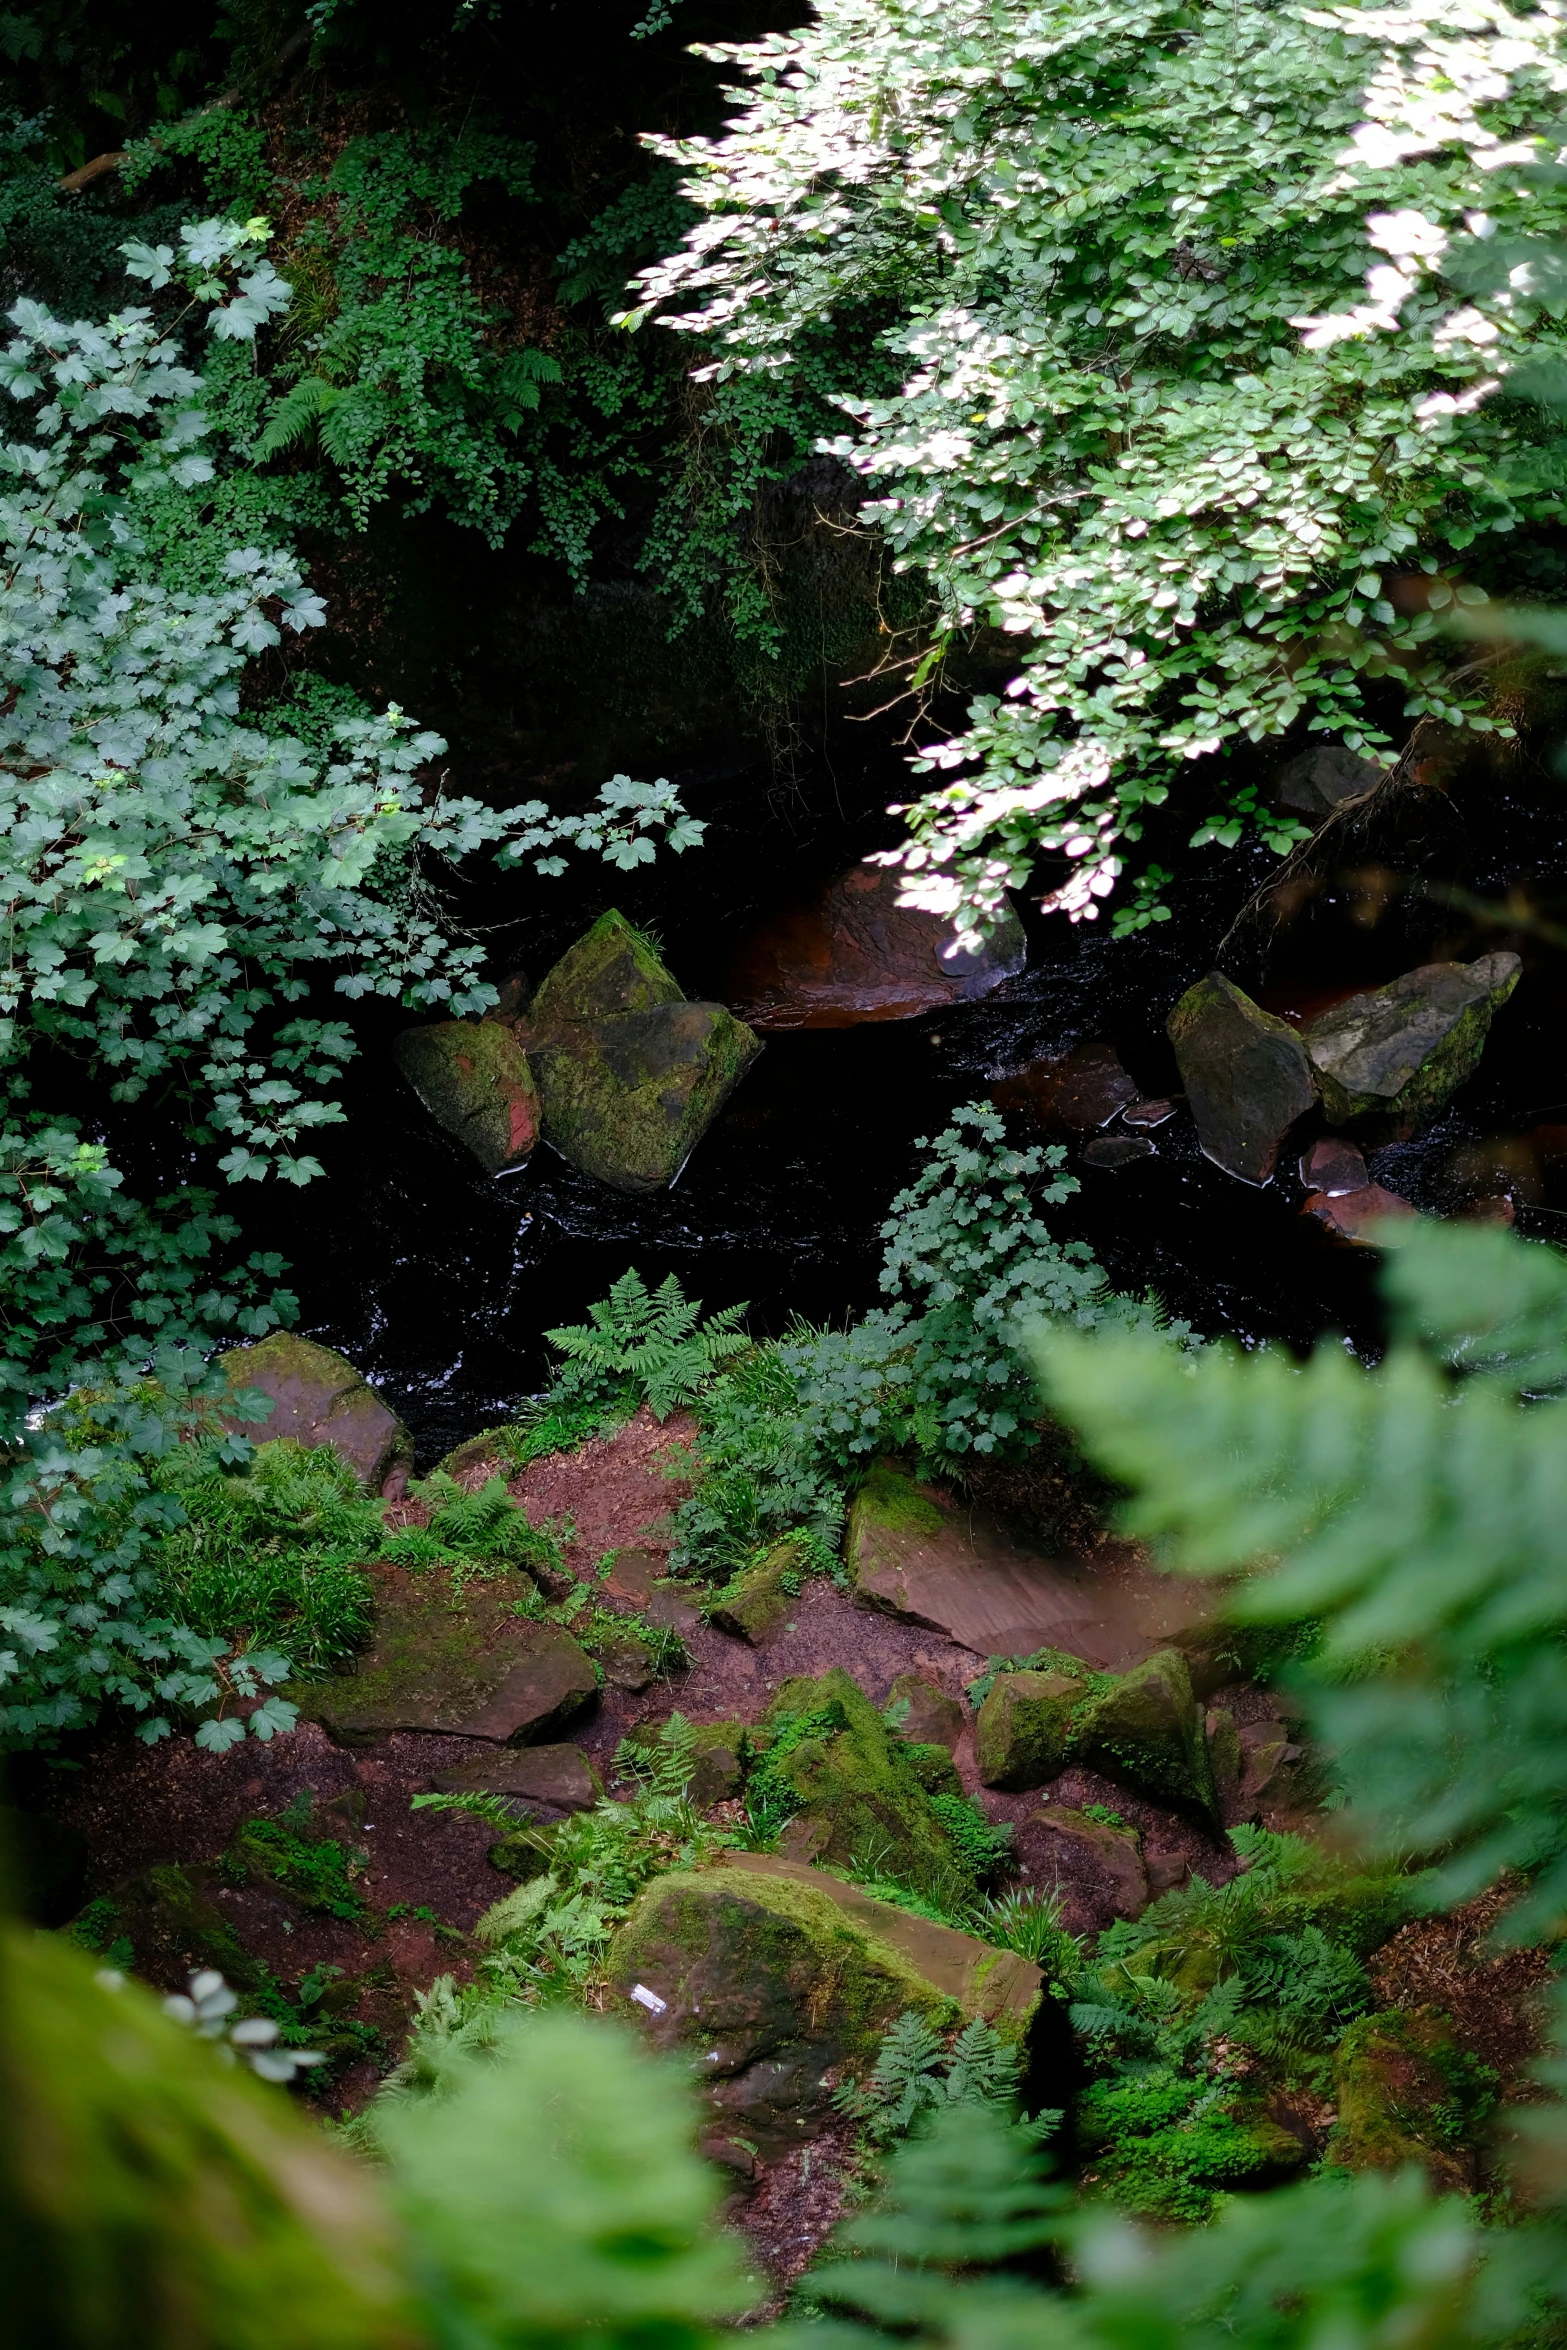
612,968
299,1856
1024,1730
890,1500
934,1768
1406,2092
1147,1728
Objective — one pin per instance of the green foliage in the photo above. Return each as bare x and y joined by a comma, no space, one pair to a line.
759,1471
485,1533
1416,1509
1030,1923
982,1845
972,1268
273,1554
919,2070
1142,423
296,1853
645,1345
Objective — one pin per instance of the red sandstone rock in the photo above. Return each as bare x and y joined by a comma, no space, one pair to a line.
1333,1165
1073,1095
854,954
319,1398
1354,1216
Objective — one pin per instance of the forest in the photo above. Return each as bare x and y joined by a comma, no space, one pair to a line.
783,1174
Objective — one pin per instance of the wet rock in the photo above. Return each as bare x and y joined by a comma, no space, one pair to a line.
1070,1096
1024,1728
917,1550
1113,1151
859,1796
319,1398
927,1716
1246,1075
1097,1867
772,1974
854,954
473,1078
550,1780
1323,778
1394,1054
1406,2093
477,1671
1356,1216
758,1602
630,1074
1148,1731
1149,1113
1333,1165
1496,1209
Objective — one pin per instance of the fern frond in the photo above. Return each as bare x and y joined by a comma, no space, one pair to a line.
296,416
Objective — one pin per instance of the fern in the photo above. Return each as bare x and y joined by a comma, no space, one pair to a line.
916,2073
650,1344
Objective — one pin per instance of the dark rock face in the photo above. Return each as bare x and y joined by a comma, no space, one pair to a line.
319,1398
1321,779
473,1078
1072,1096
1098,1868
854,954
771,1973
1355,1217
630,1075
1246,1076
1333,1165
1141,1115
550,1780
1395,1053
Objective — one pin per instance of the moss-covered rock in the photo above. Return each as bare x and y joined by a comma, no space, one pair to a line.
772,1973
469,1665
757,1603
630,1074
924,1714
165,2198
1246,1075
1147,1728
827,1754
933,1766
1394,1054
319,1398
721,1750
473,1078
1023,1732
1406,2092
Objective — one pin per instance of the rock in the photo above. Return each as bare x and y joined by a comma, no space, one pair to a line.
1098,1868
473,1078
1113,1151
165,1921
1147,1730
1070,1096
1323,778
854,954
319,1398
550,1780
1225,1758
1024,1728
630,1075
1395,1053
626,1662
927,1715
1150,1113
1246,1075
758,1602
1333,1165
720,1748
1356,1216
637,1580
1166,1872
1497,1209
859,1799
478,1671
933,1766
1406,2093
915,1549
773,1974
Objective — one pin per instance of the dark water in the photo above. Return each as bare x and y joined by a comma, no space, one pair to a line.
439,1281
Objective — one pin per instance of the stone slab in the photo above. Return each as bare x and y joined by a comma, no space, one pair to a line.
319,1398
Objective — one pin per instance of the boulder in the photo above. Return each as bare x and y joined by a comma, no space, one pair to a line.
1357,1217
1114,1151
477,1670
1394,1054
758,1602
918,1550
1149,1113
630,1075
1406,2093
1073,1095
1097,1868
1323,778
772,1974
1225,1758
636,1580
854,954
1147,1730
319,1398
858,1799
473,1078
1333,1165
1024,1728
1246,1075
720,1748
926,1715
550,1780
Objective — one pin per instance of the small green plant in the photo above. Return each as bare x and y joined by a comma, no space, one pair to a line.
760,1472
484,1534
645,1345
919,2070
297,1855
984,1846
1030,1923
